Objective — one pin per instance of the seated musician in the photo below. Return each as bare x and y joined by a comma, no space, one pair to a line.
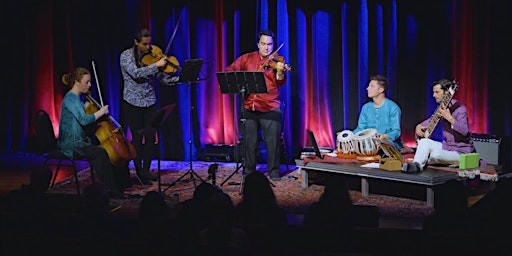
456,132
73,140
380,113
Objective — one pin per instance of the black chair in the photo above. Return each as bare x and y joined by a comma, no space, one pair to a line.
50,151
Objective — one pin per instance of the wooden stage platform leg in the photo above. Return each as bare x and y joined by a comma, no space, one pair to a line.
304,173
430,197
365,187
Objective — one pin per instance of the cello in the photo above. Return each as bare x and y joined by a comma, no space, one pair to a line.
110,133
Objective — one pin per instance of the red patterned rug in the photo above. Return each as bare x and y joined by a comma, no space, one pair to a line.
289,193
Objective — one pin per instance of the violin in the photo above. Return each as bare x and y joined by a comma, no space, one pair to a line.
155,55
273,60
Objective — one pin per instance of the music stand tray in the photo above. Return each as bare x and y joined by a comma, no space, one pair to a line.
161,115
241,82
190,70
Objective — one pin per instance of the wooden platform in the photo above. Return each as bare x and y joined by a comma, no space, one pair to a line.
428,178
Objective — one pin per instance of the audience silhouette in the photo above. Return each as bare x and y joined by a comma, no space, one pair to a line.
450,206
211,224
258,205
488,218
334,212
30,197
100,230
192,217
155,224
29,206
221,236
334,208
259,214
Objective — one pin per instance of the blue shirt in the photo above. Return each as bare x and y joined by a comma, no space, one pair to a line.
385,119
72,135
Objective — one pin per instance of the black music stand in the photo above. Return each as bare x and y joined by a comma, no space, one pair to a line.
156,122
241,82
190,71
189,74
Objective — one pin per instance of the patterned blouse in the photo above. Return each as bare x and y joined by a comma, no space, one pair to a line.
139,81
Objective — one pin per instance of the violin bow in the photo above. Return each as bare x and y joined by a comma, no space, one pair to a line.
99,93
97,82
278,48
271,56
172,37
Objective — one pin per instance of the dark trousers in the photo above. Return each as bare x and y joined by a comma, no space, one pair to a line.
139,121
100,164
120,170
270,125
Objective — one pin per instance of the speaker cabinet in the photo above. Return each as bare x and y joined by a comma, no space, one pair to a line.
216,153
488,146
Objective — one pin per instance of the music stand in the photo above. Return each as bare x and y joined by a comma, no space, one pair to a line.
156,122
241,82
190,70
189,74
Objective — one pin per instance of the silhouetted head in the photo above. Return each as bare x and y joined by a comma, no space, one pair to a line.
96,195
40,178
204,191
257,189
152,205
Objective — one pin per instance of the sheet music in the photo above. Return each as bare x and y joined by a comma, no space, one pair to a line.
371,165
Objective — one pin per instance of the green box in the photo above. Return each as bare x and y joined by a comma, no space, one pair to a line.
469,161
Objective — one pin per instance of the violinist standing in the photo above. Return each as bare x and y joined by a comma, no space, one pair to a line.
73,140
263,110
139,95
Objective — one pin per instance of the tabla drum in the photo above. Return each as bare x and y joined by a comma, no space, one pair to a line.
344,142
364,146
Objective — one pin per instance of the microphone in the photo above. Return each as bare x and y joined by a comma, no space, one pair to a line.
212,170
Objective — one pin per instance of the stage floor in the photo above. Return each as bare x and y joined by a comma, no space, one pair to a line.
15,169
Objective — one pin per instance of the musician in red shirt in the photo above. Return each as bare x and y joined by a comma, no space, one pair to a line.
262,110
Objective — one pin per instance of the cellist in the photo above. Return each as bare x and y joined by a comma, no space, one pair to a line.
73,140
139,97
